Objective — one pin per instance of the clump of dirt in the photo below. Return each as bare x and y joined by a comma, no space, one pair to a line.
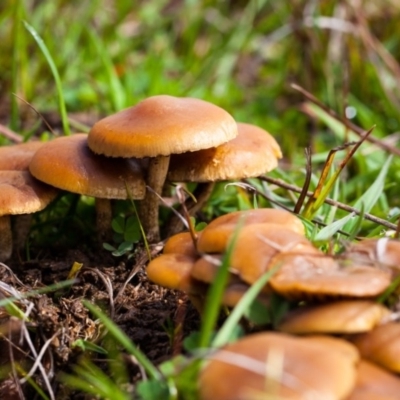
58,319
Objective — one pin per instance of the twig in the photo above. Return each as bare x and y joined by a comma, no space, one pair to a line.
11,135
354,128
331,202
307,181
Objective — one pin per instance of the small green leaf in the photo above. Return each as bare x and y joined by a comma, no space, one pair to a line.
109,247
88,346
118,224
132,230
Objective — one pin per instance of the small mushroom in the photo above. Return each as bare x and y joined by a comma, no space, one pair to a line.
279,366
158,127
382,253
17,157
68,164
300,277
381,345
20,193
215,236
181,243
348,316
252,153
374,383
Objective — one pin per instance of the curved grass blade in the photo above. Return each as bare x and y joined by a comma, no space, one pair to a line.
49,59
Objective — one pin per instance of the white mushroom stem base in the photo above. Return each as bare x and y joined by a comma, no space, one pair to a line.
148,208
5,238
202,193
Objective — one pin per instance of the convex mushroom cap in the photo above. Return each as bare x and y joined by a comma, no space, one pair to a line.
252,153
308,367
20,193
17,157
381,345
347,316
215,236
67,163
158,127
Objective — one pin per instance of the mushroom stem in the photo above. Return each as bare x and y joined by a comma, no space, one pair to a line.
20,231
103,219
148,208
202,193
5,238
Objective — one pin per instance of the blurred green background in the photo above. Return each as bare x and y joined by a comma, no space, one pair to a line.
241,55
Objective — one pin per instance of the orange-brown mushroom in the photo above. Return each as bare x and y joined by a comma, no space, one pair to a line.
347,316
158,127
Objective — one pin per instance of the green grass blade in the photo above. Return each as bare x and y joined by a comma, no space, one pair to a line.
231,322
56,76
328,231
215,293
371,196
124,340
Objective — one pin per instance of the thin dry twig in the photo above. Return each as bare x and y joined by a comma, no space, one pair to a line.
329,201
11,135
353,127
303,193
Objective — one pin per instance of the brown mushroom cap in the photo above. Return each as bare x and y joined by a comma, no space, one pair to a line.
383,253
381,345
300,277
162,125
234,292
68,163
271,365
17,157
350,316
252,153
216,235
21,193
181,243
258,244
172,271
374,383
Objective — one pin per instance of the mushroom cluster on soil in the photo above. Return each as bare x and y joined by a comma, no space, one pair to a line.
128,151
20,195
331,296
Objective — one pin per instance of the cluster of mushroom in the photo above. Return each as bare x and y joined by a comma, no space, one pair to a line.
336,297
130,150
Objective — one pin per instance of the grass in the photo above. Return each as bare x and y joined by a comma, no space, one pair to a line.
96,58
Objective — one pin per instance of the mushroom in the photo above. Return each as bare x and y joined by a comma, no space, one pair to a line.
374,383
381,345
383,253
279,366
68,164
300,277
252,153
17,157
20,193
158,127
348,316
181,243
215,236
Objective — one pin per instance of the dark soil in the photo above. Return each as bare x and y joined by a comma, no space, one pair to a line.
147,313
